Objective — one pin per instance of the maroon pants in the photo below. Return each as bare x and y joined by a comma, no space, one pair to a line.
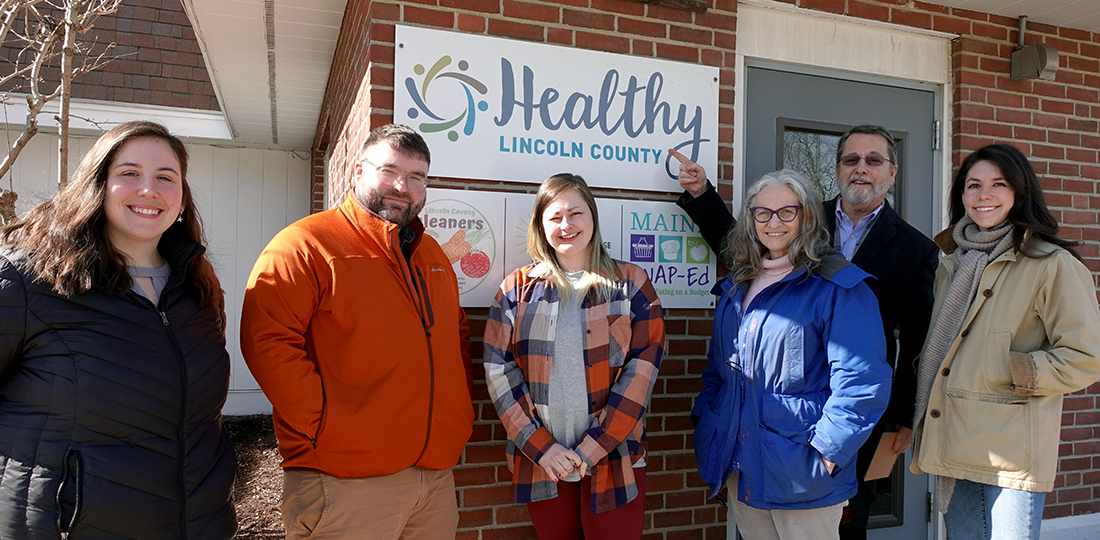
568,516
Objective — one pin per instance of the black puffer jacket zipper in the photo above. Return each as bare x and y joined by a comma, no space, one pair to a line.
180,423
65,528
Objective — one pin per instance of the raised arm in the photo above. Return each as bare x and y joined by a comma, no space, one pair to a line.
702,203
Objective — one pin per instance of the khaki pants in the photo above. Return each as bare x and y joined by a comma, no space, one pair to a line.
412,504
810,524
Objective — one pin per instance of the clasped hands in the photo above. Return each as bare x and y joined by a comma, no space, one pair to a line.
558,461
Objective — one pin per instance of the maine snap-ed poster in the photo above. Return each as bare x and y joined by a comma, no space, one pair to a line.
499,109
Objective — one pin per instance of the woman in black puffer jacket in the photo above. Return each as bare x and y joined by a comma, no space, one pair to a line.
113,368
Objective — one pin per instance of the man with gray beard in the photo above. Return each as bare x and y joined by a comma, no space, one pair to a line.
866,229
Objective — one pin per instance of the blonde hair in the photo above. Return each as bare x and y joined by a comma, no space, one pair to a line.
601,273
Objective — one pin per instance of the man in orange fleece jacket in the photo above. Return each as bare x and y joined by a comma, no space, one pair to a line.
351,325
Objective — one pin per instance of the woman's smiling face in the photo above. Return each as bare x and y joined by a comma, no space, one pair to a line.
144,194
987,196
568,224
775,234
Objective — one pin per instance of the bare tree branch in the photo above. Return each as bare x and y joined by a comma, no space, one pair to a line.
34,29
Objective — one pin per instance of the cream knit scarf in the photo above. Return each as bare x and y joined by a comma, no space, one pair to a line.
976,248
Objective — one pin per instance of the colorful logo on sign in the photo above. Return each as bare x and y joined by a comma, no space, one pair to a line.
437,121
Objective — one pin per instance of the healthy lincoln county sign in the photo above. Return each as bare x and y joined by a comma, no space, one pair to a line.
498,109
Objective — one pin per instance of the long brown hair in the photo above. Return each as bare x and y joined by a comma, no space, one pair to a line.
65,237
602,272
1029,214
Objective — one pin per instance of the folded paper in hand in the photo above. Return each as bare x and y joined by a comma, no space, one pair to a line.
883,462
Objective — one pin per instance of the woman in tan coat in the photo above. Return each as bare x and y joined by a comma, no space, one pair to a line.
1015,326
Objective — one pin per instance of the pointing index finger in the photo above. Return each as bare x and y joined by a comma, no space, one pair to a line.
680,157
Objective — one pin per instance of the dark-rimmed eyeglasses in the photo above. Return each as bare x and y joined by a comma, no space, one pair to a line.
873,160
388,176
763,214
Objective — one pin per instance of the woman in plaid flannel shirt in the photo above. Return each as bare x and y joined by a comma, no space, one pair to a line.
572,348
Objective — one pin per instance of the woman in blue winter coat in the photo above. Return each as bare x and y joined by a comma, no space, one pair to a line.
797,376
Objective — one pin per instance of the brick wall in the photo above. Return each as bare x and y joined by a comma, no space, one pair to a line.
360,96
1055,122
160,62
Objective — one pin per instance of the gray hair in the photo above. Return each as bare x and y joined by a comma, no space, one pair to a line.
742,250
869,129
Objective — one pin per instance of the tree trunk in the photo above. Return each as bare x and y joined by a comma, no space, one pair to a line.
72,9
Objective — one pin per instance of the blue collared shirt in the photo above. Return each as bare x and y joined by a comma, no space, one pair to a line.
848,237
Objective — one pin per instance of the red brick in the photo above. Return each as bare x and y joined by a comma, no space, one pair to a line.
868,11
1083,94
711,57
1089,126
975,111
1081,156
1049,89
990,31
484,453
603,42
588,19
720,21
1047,152
911,18
486,496
484,6
641,27
1012,116
516,30
1003,99
950,25
678,52
619,6
641,47
1057,107
429,17
680,499
935,8
832,6
509,515
675,518
1078,218
532,11
1049,120
994,130
684,34
563,36
669,14
475,518
978,46
728,41
513,533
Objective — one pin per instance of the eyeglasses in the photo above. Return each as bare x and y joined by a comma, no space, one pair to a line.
873,160
764,215
388,176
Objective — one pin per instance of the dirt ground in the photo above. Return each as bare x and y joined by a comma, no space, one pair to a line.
259,479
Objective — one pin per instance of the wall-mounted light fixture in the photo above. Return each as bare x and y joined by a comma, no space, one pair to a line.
1035,61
